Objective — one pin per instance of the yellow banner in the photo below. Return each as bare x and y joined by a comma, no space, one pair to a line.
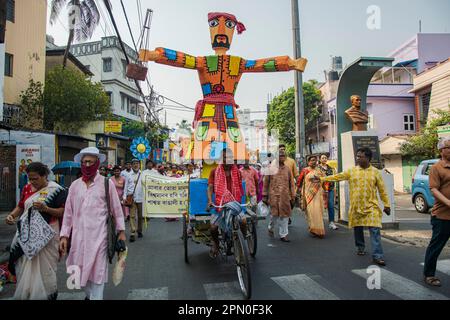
165,197
113,126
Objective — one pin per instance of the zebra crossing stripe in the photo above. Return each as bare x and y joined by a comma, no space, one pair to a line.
223,291
443,266
302,287
149,294
402,287
71,295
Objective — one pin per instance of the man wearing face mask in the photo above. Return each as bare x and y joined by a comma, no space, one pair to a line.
85,218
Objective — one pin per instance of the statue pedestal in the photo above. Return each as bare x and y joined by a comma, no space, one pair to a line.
350,142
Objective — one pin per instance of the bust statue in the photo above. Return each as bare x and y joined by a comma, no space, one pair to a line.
358,118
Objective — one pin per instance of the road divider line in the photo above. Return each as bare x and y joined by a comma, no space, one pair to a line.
223,291
443,266
402,287
149,294
302,287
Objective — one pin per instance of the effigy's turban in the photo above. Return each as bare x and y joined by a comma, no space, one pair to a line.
239,25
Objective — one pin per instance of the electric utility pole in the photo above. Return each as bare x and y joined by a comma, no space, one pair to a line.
299,103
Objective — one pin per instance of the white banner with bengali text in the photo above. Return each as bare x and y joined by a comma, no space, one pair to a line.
165,197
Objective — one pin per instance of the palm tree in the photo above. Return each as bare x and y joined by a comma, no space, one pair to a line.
84,17
184,125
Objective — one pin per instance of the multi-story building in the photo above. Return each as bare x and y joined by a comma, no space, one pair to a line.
24,54
22,51
107,62
432,91
254,131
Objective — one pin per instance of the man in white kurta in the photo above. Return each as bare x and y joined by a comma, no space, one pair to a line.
85,217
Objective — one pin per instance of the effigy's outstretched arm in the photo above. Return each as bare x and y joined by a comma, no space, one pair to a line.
275,64
171,58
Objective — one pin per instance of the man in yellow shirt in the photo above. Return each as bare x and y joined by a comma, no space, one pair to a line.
364,181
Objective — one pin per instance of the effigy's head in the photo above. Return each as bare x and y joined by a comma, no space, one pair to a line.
221,27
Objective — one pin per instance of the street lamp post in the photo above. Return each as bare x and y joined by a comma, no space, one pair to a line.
299,103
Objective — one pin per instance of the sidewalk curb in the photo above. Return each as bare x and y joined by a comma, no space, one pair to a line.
397,240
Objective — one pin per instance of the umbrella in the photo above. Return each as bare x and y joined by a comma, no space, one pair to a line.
68,168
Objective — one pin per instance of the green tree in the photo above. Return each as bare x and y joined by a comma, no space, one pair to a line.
32,106
424,144
282,113
71,101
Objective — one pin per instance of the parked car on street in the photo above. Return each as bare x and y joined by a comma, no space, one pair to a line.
422,197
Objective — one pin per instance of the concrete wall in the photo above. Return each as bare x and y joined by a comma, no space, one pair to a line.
393,163
26,39
432,48
426,47
388,114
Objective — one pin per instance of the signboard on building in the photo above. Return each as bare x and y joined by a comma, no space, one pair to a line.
372,143
101,141
25,154
443,131
113,126
158,155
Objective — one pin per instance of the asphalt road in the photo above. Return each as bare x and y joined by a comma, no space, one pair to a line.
305,269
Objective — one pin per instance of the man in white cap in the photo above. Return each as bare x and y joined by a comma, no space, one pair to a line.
85,218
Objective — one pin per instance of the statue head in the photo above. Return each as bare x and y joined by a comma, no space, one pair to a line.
356,101
221,28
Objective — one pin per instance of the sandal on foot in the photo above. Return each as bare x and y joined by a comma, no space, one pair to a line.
380,262
433,281
213,254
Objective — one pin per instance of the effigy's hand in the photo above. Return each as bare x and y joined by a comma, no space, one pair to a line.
147,55
299,64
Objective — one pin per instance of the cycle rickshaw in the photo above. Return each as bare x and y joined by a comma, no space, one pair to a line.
232,242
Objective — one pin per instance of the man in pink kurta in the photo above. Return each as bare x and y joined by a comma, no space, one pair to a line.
85,216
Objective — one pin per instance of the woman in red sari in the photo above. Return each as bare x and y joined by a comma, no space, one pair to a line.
41,206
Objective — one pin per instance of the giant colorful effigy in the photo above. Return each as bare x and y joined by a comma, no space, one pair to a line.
216,124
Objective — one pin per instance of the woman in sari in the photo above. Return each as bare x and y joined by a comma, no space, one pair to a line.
119,183
312,198
40,208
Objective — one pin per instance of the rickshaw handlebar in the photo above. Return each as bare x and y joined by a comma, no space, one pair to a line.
221,207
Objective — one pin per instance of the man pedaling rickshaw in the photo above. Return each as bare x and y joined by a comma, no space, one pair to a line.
225,181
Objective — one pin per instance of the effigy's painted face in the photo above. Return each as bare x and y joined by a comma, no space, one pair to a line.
221,30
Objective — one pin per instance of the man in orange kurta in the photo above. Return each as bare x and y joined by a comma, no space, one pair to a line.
279,194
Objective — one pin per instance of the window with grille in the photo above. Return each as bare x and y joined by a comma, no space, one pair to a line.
409,123
11,10
9,64
107,65
110,97
425,106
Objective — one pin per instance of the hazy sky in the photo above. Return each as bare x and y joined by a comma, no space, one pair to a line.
328,27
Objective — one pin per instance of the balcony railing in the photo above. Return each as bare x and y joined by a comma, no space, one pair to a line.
318,148
397,75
